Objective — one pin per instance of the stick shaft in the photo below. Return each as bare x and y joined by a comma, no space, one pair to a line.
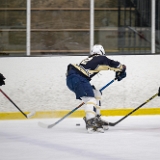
107,85
51,125
142,36
115,123
13,103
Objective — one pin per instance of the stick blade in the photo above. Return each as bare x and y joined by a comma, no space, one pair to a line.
111,124
43,125
31,114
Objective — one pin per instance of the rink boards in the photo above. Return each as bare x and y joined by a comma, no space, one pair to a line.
79,113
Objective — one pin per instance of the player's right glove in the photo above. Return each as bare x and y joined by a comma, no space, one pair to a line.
2,78
121,74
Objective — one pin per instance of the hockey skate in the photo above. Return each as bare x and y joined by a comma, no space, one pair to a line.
93,125
102,122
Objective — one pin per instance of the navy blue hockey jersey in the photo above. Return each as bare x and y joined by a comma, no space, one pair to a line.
94,64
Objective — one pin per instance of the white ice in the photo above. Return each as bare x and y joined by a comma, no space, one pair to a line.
135,138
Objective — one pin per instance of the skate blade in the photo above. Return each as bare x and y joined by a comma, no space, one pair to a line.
98,130
105,127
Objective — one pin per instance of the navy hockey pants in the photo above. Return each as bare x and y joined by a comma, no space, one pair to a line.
79,85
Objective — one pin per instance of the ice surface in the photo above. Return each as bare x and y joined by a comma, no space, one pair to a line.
135,138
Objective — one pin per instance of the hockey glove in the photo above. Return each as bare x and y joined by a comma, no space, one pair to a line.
2,78
121,74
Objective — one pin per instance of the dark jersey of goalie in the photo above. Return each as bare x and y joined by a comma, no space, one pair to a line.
94,64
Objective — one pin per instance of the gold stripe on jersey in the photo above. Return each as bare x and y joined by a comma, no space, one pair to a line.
105,67
89,72
83,70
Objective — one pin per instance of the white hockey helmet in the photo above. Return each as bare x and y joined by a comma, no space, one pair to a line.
97,49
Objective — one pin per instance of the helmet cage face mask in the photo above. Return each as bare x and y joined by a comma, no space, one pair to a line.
97,49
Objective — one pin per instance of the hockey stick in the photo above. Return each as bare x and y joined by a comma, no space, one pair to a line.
141,35
26,115
52,125
115,123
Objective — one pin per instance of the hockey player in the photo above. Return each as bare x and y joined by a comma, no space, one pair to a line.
2,78
78,80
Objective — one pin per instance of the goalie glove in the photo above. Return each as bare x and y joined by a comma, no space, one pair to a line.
121,74
2,78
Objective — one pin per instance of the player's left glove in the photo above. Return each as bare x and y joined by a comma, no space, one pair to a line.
121,74
2,78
